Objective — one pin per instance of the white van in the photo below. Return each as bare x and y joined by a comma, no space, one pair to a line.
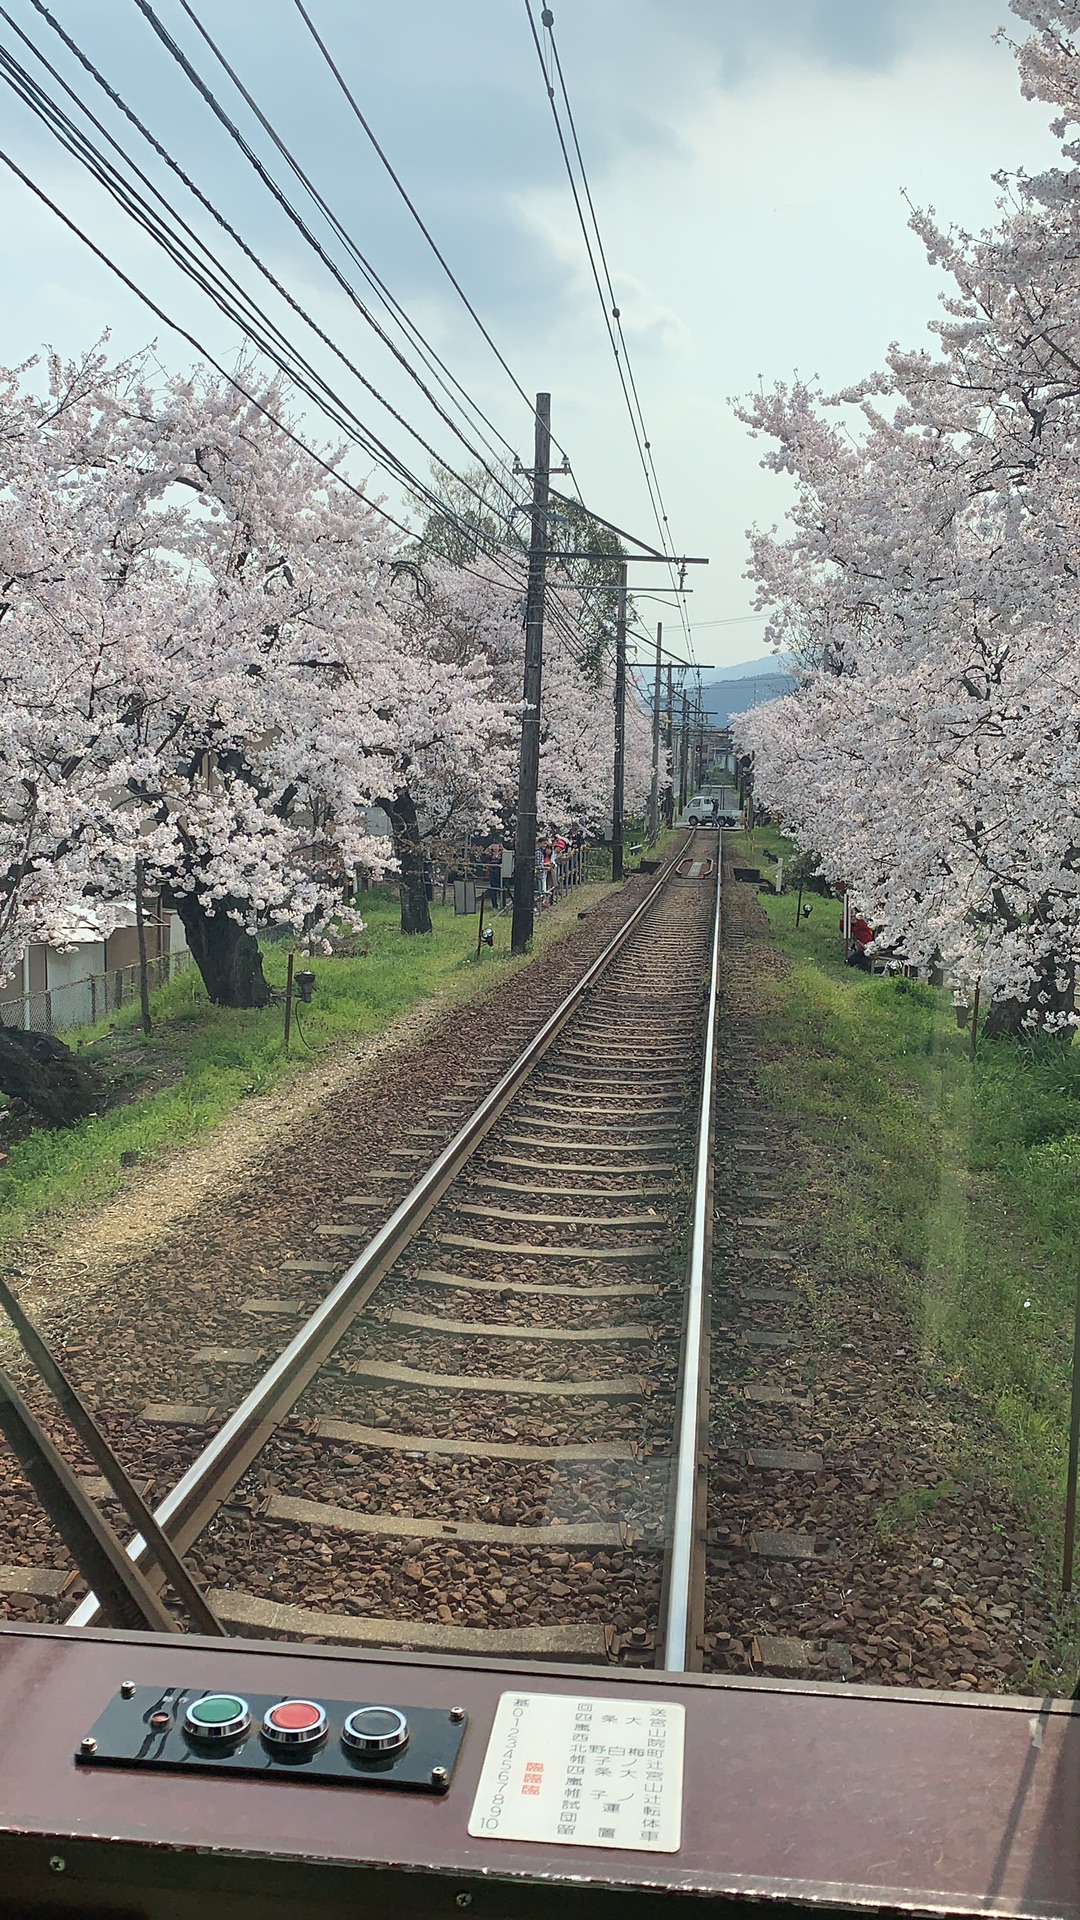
698,812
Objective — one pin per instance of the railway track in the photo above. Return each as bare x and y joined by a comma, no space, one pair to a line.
482,1439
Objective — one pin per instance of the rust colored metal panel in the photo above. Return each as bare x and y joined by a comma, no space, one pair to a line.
802,1796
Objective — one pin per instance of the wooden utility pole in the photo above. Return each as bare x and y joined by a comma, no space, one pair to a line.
521,929
654,792
620,730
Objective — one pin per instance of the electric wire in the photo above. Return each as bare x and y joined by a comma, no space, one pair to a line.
227,227
402,190
609,306
228,292
206,92
221,285
187,67
76,143
373,278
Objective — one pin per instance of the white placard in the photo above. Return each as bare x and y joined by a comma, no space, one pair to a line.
581,1772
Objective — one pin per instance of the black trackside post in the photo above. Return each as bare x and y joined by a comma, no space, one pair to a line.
521,927
288,999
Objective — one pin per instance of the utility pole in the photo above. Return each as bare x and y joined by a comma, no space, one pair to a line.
654,793
620,730
684,754
669,742
521,927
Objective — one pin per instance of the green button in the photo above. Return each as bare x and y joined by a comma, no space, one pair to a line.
216,1710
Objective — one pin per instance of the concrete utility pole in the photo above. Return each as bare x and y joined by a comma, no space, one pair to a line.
669,742
521,927
684,754
654,793
620,730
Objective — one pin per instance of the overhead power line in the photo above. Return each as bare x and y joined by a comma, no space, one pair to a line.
188,68
413,333
594,248
402,190
137,194
190,253
184,245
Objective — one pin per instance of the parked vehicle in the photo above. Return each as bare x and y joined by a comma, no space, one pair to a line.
704,810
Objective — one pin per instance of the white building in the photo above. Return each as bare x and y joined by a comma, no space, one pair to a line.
77,981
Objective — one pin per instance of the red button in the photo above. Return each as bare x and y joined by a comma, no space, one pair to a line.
294,1723
293,1716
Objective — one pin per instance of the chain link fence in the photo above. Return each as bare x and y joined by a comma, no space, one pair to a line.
79,1003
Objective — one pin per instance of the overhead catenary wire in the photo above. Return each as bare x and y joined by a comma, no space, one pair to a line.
263,173
608,303
188,68
414,211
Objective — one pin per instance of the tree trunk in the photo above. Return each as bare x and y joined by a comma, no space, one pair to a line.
226,955
409,849
52,1081
1017,1018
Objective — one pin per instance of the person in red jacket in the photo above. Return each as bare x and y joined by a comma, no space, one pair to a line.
860,938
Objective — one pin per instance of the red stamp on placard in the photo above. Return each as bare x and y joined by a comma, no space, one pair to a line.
534,1776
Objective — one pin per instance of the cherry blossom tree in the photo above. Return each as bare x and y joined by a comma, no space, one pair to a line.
463,642
929,587
201,676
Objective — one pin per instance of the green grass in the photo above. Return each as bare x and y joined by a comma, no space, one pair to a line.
952,1181
200,1061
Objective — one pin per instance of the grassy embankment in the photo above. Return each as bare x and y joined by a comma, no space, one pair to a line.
955,1182
201,1061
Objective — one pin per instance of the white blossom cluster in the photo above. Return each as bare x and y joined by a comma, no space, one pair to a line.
212,662
930,590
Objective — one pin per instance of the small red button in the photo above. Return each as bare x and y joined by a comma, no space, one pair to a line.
293,1716
294,1723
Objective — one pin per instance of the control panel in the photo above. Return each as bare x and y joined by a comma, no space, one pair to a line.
356,1743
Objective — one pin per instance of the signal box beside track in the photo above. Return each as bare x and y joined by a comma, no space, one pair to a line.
185,1779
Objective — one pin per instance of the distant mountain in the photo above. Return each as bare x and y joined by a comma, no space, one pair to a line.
722,698
752,669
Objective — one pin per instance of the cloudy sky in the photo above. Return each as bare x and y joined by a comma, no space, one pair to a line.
747,160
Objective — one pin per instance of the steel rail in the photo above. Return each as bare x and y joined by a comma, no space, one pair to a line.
202,1490
684,1576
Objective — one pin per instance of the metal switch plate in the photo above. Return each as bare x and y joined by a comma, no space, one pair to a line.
145,1728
